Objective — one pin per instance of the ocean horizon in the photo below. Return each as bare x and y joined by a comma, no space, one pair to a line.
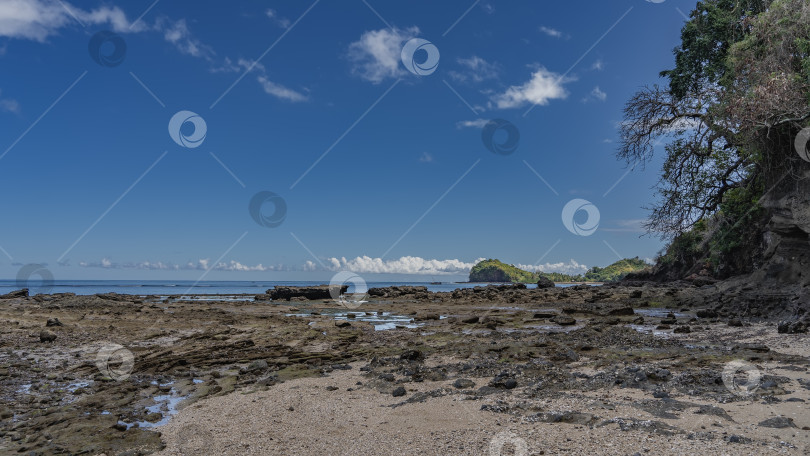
208,287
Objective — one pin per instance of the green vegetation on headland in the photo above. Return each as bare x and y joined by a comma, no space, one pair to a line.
497,271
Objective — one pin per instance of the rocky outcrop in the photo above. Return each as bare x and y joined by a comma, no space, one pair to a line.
397,291
16,294
544,282
281,293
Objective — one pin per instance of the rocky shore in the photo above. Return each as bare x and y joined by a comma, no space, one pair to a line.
648,368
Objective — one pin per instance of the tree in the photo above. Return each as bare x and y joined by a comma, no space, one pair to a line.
738,95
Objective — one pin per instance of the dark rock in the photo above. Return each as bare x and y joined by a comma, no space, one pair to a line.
469,320
53,322
662,327
387,377
778,422
47,336
638,320
397,291
427,316
257,365
545,282
635,294
463,383
398,392
621,311
342,324
310,293
412,355
682,330
564,320
543,315
736,322
793,326
16,294
668,321
706,313
331,388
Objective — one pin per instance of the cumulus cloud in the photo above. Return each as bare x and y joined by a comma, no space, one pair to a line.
404,265
376,55
554,33
572,267
598,94
543,86
477,123
426,158
475,69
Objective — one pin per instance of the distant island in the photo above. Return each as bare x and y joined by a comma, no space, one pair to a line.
497,271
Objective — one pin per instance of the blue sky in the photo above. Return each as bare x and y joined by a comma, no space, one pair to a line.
383,172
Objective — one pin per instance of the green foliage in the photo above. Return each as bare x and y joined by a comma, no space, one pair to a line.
686,248
706,38
497,271
615,271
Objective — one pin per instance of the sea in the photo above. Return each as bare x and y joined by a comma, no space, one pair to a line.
190,287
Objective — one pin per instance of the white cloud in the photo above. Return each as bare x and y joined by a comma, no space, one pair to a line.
551,32
476,69
38,19
199,265
627,226
598,65
9,105
279,91
404,265
598,94
282,22
180,36
270,87
376,55
543,86
572,267
477,123
426,158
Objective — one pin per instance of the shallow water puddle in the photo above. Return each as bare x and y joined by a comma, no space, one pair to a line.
382,321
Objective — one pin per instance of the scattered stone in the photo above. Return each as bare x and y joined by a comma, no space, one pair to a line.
342,324
256,365
706,313
778,422
53,322
470,320
387,377
412,355
564,320
663,327
464,383
398,392
735,322
331,388
47,336
682,330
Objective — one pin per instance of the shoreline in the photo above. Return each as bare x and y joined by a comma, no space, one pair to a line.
98,372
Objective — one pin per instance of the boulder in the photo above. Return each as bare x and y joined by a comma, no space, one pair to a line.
545,282
310,293
53,322
16,294
47,336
